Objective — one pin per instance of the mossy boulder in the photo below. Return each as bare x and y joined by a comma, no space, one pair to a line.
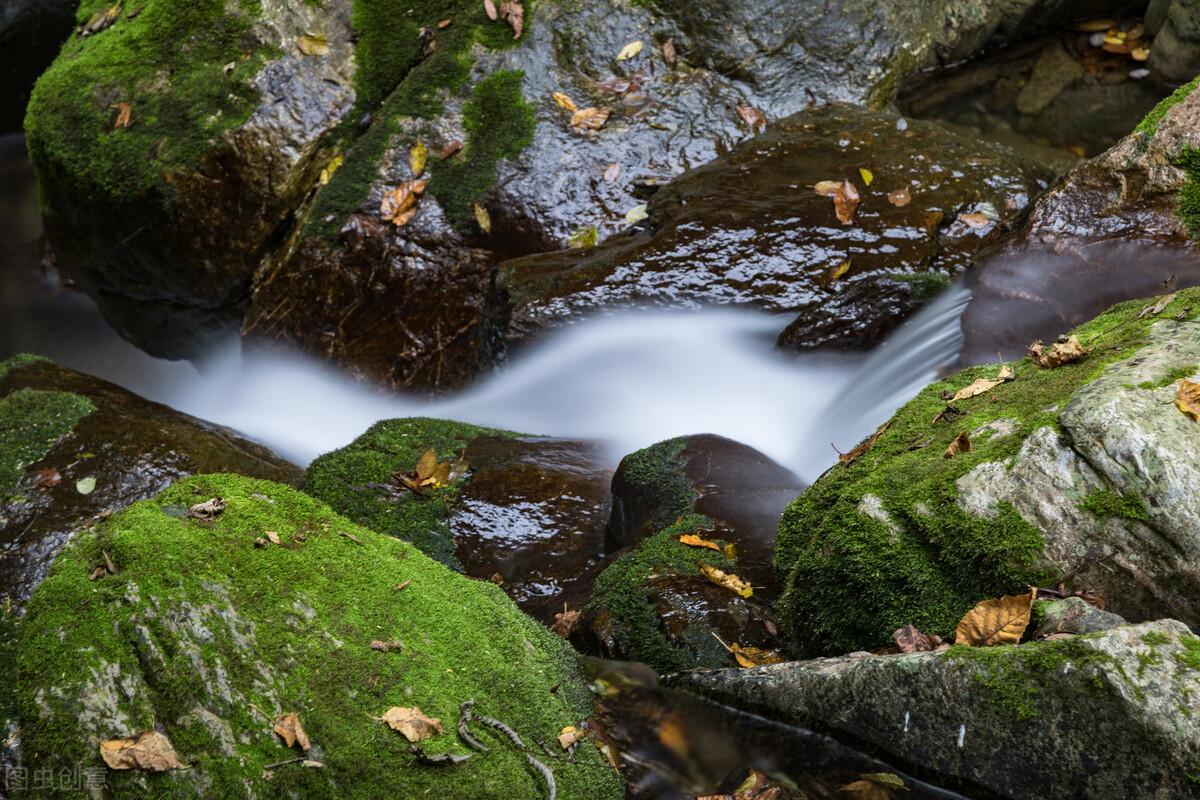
528,512
206,637
1080,474
1106,715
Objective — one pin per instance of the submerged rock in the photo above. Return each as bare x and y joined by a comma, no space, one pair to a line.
748,229
207,638
1081,474
1103,716
74,448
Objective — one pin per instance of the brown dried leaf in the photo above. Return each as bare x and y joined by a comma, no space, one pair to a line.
400,204
961,444
875,786
1187,399
669,52
589,119
291,731
272,537
998,621
845,202
695,540
513,13
1156,308
451,149
490,9
565,622
445,23
612,172
900,197
124,115
726,580
569,736
209,509
911,640
387,647
425,464
976,219
750,115
411,723
976,388
863,446
46,478
151,751
827,188
564,102
1061,352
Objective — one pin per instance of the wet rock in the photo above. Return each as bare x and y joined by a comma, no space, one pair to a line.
1118,226
748,229
1058,709
30,34
1092,489
1175,25
529,510
62,431
192,636
1072,615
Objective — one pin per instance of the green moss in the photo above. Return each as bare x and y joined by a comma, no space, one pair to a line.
31,422
214,624
344,479
655,476
167,62
1171,377
1188,204
1106,505
18,361
851,580
1190,656
621,592
1150,124
925,285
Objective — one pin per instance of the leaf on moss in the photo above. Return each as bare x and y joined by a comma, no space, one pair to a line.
382,646
911,640
124,116
411,723
565,621
900,197
695,540
272,537
589,119
1187,399
104,18
451,148
332,167
1156,308
875,786
569,736
961,444
862,447
564,102
513,13
150,751
445,23
753,117
313,44
1001,620
209,509
418,157
287,727
482,218
630,50
1061,352
981,385
726,580
399,205
845,202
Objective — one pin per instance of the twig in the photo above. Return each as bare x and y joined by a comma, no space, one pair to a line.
551,789
464,733
500,726
296,760
438,760
351,537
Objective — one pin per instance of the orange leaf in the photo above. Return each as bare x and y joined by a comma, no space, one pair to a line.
726,580
695,540
994,622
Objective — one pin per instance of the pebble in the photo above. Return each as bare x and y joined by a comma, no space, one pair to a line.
1138,74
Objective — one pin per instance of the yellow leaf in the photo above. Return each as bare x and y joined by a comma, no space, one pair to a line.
400,204
961,444
564,102
999,621
636,214
483,219
289,728
333,166
838,271
589,119
313,44
151,751
976,388
875,786
1059,353
827,188
726,580
751,656
866,174
569,736
426,464
411,723
418,156
630,50
1187,399
730,551
694,540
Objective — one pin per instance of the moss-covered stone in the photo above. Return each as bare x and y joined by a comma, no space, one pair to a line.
343,479
208,637
18,361
921,557
31,422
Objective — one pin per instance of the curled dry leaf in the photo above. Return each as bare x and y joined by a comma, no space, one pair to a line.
288,727
752,117
565,622
900,197
1187,399
589,119
209,509
612,172
482,218
976,219
489,8
726,580
875,786
313,44
443,24
513,13
961,444
564,102
569,736
124,116
102,19
1157,307
630,50
670,55
387,647
418,157
411,723
845,202
451,148
151,751
399,205
911,640
998,621
46,478
863,446
695,540
827,188
1059,353
272,537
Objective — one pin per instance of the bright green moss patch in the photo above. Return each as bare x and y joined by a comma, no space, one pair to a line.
209,637
18,361
31,422
1150,124
925,285
1188,206
853,579
166,61
655,476
1190,656
343,479
620,591
1106,504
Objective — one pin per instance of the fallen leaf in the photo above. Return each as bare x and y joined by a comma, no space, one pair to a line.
961,444
151,751
333,166
911,640
288,727
864,445
569,736
845,202
451,149
637,214
124,115
490,9
630,50
998,621
564,102
1140,53
46,478
565,622
827,188
85,486
612,172
426,464
1061,352
981,385
1187,399
695,540
313,44
411,723
400,586
589,119
272,537
900,197
751,656
669,53
418,157
387,647
726,580
400,204
102,19
866,175
976,219
587,236
752,117
1096,25
730,551
482,218
1156,308
837,271
443,24
513,13
209,509
876,786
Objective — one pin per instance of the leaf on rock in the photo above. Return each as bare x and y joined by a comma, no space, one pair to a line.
837,271
564,102
750,115
85,486
998,621
151,751
630,50
589,119
612,172
333,166
482,218
670,55
1061,352
46,478
862,447
411,723
911,640
313,44
845,202
827,188
875,786
900,197
748,657
513,13
288,728
489,8
569,736
961,444
565,621
637,214
866,175
726,580
976,219
418,157
1187,399
399,205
